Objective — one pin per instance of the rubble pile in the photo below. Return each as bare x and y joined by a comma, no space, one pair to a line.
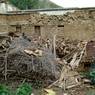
34,59
65,47
25,57
67,18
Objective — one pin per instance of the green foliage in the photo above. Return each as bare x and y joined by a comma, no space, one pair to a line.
24,4
33,4
47,4
90,75
84,74
4,90
24,89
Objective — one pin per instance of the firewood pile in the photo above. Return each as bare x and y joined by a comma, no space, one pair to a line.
65,47
27,58
31,58
69,76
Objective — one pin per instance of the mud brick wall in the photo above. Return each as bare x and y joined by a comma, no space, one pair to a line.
3,23
78,25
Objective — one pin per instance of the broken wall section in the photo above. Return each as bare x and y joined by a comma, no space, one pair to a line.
76,25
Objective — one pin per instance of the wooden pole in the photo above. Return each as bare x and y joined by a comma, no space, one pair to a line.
54,46
6,64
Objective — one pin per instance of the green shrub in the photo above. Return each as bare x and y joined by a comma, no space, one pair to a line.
24,89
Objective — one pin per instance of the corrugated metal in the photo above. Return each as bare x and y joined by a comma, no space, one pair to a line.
55,12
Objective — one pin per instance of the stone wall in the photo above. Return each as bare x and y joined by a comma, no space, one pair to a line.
77,25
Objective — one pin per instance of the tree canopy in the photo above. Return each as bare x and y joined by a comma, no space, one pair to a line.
32,4
24,4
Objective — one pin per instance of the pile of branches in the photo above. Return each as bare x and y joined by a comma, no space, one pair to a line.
28,58
34,58
65,47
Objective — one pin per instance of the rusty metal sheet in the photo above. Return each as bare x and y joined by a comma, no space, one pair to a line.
90,49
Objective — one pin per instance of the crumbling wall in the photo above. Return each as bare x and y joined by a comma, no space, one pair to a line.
2,19
3,23
76,25
81,31
80,26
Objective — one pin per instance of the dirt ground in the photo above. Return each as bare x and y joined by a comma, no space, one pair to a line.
83,89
